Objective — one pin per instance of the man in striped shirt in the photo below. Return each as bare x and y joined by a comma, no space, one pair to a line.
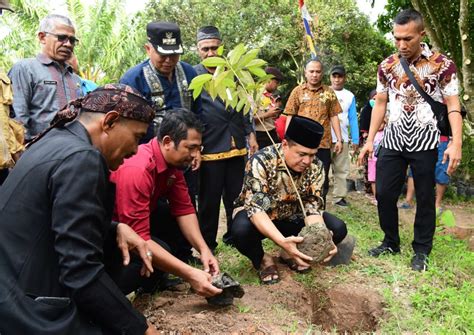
411,135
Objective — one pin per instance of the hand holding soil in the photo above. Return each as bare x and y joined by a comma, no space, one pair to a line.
317,242
200,281
290,247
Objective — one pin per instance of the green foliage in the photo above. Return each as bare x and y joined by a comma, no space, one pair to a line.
110,41
349,39
275,27
21,26
232,80
243,308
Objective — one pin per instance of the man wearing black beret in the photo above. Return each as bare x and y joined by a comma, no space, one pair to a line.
224,148
268,206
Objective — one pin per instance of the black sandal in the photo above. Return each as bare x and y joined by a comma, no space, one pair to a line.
291,263
269,271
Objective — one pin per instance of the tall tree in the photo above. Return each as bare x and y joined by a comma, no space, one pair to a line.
20,28
110,41
342,34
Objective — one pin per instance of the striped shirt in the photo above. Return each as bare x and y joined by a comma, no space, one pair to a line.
41,88
412,126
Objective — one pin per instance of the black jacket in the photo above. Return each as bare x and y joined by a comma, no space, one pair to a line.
55,213
221,124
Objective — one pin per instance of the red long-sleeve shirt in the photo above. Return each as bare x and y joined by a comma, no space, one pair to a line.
140,181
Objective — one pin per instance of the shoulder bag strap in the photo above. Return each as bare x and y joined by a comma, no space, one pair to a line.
417,86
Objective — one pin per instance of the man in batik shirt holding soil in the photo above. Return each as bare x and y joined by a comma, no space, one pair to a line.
268,206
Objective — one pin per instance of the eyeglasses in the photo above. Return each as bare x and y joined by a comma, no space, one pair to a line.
63,38
206,49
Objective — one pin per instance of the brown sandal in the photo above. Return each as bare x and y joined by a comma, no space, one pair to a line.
269,271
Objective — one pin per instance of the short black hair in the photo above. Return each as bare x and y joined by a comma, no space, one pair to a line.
176,124
409,15
316,60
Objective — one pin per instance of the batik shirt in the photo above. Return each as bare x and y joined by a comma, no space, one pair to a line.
412,126
318,104
268,188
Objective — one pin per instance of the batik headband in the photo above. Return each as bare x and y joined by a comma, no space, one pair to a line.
123,99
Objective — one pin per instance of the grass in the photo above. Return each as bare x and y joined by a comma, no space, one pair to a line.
439,301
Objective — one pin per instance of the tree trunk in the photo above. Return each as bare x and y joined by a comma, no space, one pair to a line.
435,39
467,62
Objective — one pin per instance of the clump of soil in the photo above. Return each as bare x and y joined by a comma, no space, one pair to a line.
348,308
317,242
230,289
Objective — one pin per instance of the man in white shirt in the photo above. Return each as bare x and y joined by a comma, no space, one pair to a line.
347,119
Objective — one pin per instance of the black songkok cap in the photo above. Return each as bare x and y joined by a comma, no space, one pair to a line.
208,33
305,132
165,37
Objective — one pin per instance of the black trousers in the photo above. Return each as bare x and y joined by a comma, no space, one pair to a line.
163,225
248,240
3,175
128,278
218,179
263,140
165,231
325,156
390,175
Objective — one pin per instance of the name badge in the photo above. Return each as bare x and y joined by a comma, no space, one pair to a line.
50,82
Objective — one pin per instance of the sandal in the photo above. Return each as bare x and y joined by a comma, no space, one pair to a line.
269,271
293,265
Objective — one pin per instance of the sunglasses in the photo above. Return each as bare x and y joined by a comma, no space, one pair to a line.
63,38
206,49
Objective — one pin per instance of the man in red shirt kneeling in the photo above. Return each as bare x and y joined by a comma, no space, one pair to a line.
153,176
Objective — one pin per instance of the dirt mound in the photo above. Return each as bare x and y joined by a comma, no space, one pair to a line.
317,242
347,308
263,309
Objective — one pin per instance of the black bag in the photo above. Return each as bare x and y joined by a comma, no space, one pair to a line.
439,109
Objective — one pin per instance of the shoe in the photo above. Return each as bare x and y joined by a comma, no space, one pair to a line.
345,249
342,203
419,262
406,205
383,249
